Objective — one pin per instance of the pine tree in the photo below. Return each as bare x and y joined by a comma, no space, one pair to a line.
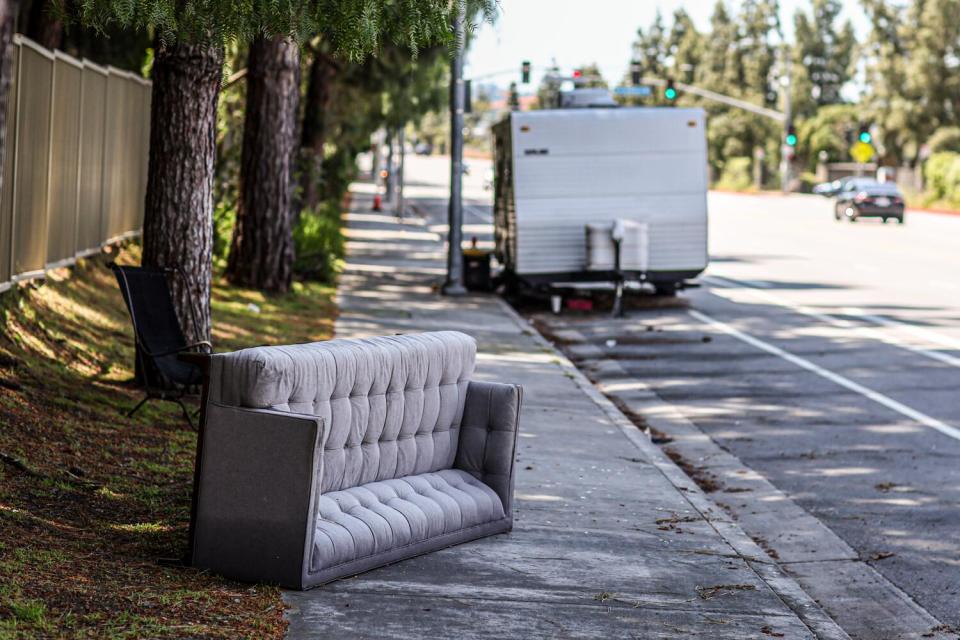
932,31
822,57
650,49
261,254
322,71
756,50
684,47
885,103
721,40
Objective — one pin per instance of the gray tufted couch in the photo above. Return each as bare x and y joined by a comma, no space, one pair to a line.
323,460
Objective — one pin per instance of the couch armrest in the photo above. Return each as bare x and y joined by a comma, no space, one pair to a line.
257,493
488,436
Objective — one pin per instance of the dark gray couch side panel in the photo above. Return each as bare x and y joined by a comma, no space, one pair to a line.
488,436
257,494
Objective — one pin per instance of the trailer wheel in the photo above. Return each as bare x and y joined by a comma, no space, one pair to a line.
668,289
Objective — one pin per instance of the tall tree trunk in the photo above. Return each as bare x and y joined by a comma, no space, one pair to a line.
261,254
178,221
44,26
319,91
8,16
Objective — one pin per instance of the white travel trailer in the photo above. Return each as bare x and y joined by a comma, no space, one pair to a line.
561,173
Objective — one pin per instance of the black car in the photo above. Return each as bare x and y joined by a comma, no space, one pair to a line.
866,198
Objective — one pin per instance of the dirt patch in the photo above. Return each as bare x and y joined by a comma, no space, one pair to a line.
704,479
763,544
706,593
673,523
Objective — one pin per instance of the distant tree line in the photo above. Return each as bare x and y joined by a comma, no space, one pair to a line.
258,111
902,80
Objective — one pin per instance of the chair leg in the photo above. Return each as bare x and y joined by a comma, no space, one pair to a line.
186,413
137,408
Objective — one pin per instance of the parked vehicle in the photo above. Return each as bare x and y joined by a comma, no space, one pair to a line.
423,149
560,170
866,198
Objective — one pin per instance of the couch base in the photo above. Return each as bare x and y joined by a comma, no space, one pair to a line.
353,567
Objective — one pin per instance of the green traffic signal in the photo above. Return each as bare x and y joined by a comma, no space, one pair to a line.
790,137
865,137
670,93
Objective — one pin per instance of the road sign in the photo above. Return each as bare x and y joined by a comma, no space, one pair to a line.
640,90
862,152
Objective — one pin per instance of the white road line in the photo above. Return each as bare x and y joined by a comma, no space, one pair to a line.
836,378
920,332
782,302
841,323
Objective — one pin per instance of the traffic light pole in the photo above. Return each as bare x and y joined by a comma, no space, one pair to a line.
402,142
785,149
718,97
453,285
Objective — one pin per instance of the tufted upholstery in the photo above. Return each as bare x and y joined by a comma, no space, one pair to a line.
393,404
323,460
380,516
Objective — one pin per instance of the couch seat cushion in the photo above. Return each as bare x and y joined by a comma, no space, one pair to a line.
379,516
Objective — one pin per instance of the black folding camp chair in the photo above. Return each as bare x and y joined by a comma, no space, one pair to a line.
159,338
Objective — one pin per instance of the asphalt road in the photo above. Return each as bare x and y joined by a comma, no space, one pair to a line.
864,433
826,357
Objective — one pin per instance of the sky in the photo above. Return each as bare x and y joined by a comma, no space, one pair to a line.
577,32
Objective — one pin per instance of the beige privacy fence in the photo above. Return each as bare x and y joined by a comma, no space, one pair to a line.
75,162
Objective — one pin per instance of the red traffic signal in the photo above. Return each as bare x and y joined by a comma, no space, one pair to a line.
525,72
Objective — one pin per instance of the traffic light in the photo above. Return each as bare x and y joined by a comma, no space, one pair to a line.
525,72
791,137
514,96
864,135
670,93
468,96
636,73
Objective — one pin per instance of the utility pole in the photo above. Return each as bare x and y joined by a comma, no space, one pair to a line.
453,286
377,150
401,140
388,182
786,151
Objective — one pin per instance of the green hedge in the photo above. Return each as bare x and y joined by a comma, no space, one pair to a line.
318,242
737,174
942,177
317,239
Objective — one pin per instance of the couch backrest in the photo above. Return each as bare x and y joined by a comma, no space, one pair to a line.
393,404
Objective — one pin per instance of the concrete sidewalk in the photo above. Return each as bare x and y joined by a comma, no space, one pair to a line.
611,539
